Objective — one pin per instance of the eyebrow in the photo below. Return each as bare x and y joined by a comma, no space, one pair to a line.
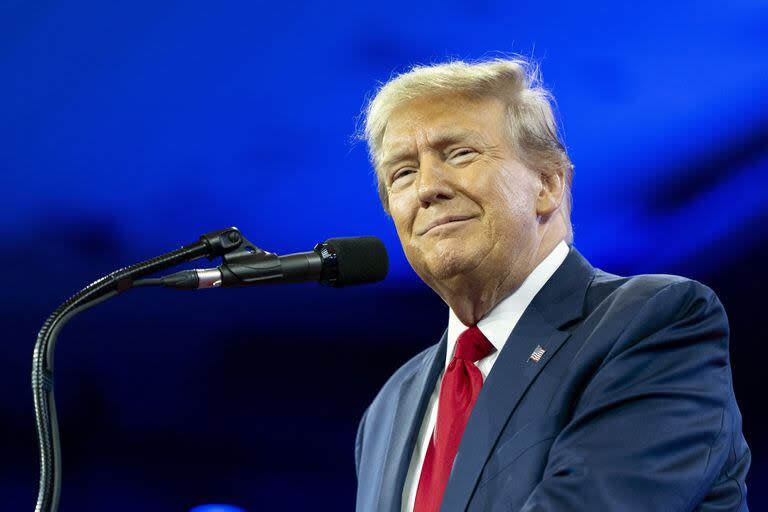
442,140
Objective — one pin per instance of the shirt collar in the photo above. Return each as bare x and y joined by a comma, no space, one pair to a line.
498,324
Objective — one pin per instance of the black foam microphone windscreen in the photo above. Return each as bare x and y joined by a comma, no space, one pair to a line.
361,259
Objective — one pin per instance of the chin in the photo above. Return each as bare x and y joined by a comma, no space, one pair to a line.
451,263
447,270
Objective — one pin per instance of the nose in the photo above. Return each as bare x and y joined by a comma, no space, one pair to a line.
434,182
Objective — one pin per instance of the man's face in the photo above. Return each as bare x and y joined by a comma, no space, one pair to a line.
460,200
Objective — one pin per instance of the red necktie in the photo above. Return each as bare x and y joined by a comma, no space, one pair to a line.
461,385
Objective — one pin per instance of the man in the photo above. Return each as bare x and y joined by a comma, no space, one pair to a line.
556,386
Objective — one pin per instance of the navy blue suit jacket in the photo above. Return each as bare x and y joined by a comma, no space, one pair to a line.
631,407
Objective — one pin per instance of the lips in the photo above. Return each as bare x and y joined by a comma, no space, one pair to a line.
444,220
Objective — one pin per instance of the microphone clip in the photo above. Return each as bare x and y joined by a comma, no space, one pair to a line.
228,243
242,260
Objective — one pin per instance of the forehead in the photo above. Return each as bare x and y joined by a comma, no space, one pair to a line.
431,119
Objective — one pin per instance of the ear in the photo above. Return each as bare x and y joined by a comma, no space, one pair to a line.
551,192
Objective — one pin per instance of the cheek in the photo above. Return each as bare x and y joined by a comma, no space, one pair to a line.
514,195
510,211
401,217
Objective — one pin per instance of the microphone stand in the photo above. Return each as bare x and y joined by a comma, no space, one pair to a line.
210,245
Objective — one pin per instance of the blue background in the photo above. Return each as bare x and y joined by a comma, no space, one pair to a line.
129,129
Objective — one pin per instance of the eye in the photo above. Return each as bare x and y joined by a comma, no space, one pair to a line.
401,173
462,154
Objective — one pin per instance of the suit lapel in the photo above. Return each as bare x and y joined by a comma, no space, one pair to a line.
512,373
559,302
414,397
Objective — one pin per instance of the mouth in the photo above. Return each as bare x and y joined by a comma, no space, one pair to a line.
445,221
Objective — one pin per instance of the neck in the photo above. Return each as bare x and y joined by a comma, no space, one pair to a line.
471,296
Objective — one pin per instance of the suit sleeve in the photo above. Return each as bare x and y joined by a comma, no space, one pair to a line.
655,423
359,443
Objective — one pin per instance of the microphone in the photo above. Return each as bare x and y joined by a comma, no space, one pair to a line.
336,262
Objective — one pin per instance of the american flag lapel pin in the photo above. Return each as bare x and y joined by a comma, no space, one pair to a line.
537,353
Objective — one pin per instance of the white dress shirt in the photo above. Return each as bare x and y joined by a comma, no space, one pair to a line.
497,326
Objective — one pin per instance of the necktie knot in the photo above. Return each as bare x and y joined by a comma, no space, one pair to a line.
472,345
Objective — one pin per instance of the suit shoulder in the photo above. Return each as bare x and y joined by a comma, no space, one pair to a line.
641,288
652,308
412,366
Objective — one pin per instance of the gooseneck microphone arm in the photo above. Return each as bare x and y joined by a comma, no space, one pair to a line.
210,245
337,262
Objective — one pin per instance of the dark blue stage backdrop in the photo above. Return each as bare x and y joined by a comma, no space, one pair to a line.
130,128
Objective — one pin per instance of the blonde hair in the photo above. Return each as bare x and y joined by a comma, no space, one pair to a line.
532,129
